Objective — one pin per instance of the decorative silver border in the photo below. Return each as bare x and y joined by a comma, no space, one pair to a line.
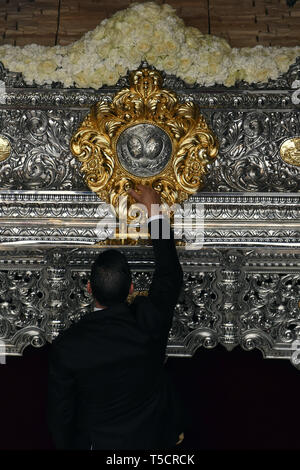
240,288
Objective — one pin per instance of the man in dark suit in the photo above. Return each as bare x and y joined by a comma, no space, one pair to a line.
108,388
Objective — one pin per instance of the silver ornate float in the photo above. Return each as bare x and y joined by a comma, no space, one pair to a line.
241,288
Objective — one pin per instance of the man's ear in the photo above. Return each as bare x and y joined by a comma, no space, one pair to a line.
131,289
89,288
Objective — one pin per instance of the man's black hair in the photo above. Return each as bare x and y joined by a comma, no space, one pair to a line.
110,278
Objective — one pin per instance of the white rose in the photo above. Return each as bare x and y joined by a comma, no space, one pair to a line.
143,46
111,77
150,31
99,33
46,67
81,80
170,64
185,62
148,10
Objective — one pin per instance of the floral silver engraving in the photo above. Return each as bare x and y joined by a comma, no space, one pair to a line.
242,288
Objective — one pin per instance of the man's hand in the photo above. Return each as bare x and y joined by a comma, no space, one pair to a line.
147,196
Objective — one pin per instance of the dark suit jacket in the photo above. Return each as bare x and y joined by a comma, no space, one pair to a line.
107,383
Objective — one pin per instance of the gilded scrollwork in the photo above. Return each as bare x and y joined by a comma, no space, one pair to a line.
290,151
5,148
144,135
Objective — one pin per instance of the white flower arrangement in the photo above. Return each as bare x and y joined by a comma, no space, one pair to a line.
148,32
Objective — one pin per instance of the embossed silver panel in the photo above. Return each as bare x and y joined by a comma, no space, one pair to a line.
241,288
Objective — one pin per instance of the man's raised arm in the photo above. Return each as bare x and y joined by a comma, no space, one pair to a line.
167,278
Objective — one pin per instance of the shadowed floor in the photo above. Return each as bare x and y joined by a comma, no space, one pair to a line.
234,401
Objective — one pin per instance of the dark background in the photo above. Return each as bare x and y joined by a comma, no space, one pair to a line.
234,401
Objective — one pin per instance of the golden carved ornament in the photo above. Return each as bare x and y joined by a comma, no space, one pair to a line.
5,148
290,151
144,136
135,294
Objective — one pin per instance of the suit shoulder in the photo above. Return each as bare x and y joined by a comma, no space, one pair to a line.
140,302
66,336
148,317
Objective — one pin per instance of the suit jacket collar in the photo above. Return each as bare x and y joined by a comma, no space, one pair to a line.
116,310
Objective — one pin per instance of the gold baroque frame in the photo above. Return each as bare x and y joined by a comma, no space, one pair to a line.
290,151
144,102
